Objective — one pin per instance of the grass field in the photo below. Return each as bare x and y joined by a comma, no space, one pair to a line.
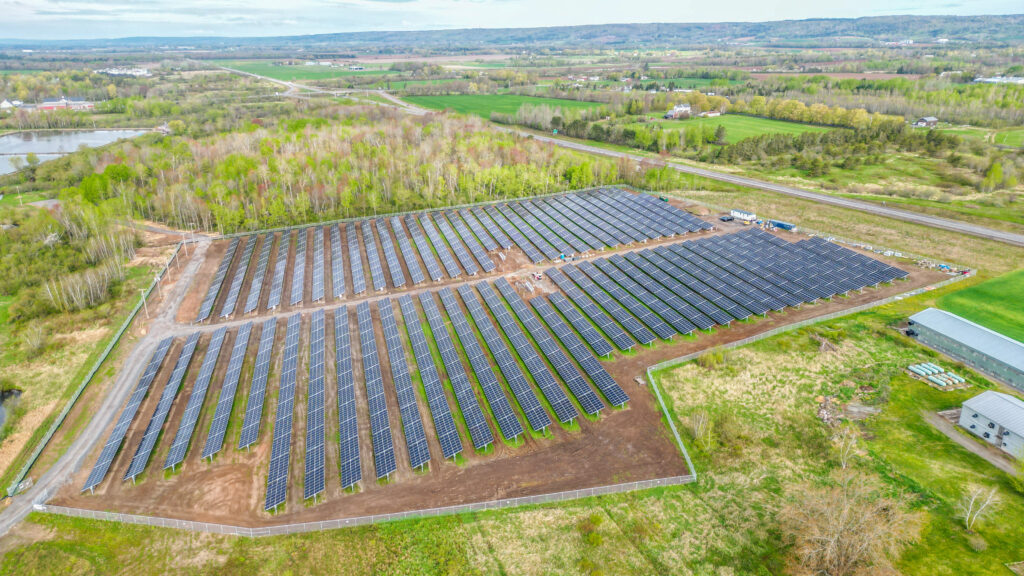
997,304
1011,137
483,104
12,199
738,127
299,72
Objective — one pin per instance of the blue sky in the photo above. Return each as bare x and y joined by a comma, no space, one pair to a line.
47,19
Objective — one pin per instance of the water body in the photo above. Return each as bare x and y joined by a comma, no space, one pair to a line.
54,144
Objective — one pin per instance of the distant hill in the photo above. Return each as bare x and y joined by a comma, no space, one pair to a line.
1005,29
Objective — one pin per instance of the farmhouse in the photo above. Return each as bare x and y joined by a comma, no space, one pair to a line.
983,349
996,418
678,111
927,122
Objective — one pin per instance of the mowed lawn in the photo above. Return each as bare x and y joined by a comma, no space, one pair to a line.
739,127
997,304
484,104
1011,137
300,72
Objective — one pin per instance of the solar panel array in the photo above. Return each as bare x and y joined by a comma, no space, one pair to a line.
222,413
672,319
535,239
440,248
256,287
495,231
314,478
408,254
444,423
502,223
535,414
481,233
453,240
113,443
319,266
206,308
604,382
556,397
373,258
412,421
609,304
163,407
348,425
299,268
281,447
337,264
549,243
390,256
426,252
597,343
628,301
598,316
187,426
280,267
474,245
228,308
501,408
355,260
258,387
586,397
380,426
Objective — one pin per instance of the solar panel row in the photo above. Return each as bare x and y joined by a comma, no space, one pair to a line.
444,423
453,240
258,386
482,234
183,437
348,425
337,264
355,260
502,223
597,343
319,267
256,287
474,245
426,252
221,415
206,307
113,443
313,482
492,228
501,408
373,258
596,315
299,268
281,446
280,267
408,254
380,426
412,421
228,308
440,247
163,407
390,256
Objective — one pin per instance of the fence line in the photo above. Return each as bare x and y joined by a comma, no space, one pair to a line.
13,488
335,524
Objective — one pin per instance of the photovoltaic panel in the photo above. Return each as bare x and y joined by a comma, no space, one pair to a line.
630,302
281,447
348,425
426,253
616,267
549,348
258,387
543,231
390,256
256,287
113,443
597,343
228,308
440,248
317,294
337,264
299,268
570,211
585,241
163,407
474,245
412,421
206,308
355,260
373,257
492,228
549,251
525,245
604,382
556,397
668,289
187,426
561,238
481,233
609,304
501,408
221,415
408,253
280,267
444,423
380,425
313,481
598,316
453,240
535,414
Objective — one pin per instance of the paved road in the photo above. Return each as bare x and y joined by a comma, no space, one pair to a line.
135,361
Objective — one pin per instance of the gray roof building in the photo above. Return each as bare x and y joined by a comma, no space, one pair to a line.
996,418
983,349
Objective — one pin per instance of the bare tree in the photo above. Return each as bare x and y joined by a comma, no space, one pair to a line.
845,441
976,504
847,525
703,429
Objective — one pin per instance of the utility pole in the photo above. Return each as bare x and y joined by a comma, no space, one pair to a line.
142,294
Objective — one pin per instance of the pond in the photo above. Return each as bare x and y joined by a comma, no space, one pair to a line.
54,144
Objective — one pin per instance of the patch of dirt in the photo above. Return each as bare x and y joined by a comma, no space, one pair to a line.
197,291
13,444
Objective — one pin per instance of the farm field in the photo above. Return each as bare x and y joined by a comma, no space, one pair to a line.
1010,137
299,72
684,83
483,105
995,304
739,127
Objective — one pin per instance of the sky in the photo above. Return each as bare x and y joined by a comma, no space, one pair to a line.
62,19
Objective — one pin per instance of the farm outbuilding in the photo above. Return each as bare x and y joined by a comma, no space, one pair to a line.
983,349
996,418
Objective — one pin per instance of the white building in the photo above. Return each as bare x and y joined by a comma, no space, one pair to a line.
743,215
996,418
